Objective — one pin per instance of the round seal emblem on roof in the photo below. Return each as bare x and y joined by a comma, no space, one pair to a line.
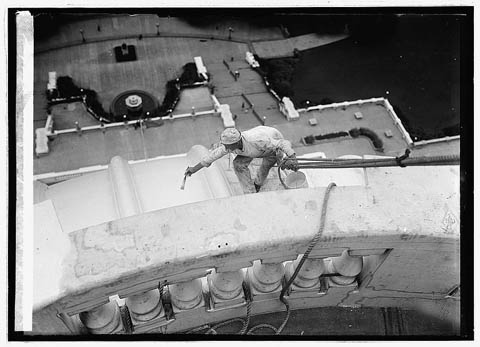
134,104
133,101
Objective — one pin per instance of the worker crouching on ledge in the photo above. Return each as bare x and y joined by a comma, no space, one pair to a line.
260,142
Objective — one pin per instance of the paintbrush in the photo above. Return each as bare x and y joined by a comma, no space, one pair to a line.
182,187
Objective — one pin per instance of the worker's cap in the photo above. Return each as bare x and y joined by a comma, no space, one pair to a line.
229,136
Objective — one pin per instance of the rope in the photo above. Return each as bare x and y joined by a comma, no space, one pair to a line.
312,244
280,174
249,306
403,157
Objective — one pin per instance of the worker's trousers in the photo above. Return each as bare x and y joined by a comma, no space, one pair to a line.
240,165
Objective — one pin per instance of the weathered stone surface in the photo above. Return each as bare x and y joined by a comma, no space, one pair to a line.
398,210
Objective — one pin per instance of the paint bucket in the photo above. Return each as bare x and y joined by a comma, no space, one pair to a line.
295,180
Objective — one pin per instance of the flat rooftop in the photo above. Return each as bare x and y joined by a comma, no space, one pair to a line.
91,65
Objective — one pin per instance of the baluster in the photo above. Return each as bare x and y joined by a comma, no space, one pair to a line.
347,266
226,288
265,278
186,295
145,306
308,276
104,319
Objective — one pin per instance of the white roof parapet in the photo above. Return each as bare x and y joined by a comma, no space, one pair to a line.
251,60
216,103
52,79
397,122
202,70
442,139
49,124
273,92
41,141
342,104
226,115
288,109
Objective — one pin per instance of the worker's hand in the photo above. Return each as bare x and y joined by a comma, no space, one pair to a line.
189,171
291,163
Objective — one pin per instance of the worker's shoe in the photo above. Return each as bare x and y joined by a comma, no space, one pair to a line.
257,187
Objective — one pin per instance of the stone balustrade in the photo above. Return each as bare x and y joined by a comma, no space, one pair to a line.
381,229
152,310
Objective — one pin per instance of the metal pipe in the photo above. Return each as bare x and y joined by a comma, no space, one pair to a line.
422,161
354,163
324,163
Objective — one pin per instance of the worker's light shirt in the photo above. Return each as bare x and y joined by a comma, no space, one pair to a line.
258,142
